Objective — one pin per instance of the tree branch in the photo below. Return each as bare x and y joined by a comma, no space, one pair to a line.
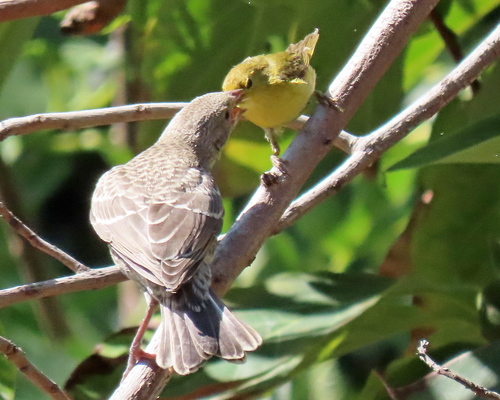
74,120
477,389
91,280
83,119
91,17
18,358
16,9
37,242
369,148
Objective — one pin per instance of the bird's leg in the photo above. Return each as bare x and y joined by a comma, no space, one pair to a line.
136,353
269,178
271,137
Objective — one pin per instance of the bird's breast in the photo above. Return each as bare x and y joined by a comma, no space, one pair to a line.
273,105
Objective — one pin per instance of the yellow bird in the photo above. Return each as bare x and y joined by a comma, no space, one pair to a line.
277,87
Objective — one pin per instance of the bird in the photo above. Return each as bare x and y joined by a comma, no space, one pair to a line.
277,88
160,214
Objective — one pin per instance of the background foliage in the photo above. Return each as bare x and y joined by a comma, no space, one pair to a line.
409,250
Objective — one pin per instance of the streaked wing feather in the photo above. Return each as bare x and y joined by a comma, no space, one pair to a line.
162,235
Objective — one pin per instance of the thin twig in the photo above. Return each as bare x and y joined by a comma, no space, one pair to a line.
369,148
18,358
90,280
390,390
477,389
37,242
450,40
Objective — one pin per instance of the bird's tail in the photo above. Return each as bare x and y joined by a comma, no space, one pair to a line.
192,333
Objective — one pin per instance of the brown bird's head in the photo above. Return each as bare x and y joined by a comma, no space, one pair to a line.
205,124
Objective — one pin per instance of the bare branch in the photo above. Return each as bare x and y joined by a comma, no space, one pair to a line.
91,280
450,40
16,9
18,358
369,148
84,119
146,380
91,17
131,113
37,242
477,389
344,141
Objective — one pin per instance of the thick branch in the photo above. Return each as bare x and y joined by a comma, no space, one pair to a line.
369,148
16,9
18,358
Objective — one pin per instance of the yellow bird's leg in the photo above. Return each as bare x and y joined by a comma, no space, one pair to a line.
269,178
271,137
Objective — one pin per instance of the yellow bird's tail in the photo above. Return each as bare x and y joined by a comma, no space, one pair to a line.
305,48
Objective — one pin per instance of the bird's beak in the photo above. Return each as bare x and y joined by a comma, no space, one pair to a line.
238,94
238,111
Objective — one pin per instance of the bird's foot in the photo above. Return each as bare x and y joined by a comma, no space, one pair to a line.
135,356
273,177
327,101
136,353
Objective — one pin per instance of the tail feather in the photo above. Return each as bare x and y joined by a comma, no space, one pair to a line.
235,337
190,337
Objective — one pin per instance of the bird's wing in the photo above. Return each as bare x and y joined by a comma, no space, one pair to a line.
161,232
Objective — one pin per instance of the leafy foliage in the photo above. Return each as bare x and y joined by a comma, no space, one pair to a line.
410,249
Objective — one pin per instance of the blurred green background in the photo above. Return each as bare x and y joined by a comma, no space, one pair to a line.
409,249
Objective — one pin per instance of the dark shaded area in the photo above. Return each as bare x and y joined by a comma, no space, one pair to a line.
64,217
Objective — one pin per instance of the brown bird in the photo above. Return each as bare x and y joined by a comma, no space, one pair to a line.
161,214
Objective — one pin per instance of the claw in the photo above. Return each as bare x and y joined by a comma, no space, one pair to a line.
327,101
271,178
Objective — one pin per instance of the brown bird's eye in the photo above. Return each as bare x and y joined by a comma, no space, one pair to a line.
227,115
248,84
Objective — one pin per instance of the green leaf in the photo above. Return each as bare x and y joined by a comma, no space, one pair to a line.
478,143
8,376
13,35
